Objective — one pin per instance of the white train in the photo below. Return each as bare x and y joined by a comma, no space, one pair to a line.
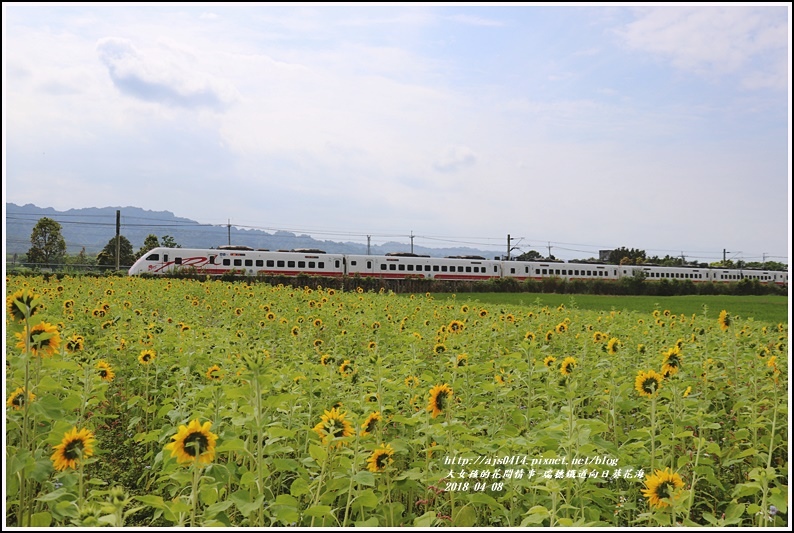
245,261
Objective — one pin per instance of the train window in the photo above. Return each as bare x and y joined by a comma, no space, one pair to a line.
153,257
401,267
435,268
526,270
271,263
291,264
212,259
468,269
312,264
249,262
411,268
321,264
337,263
392,266
352,263
280,264
495,268
512,270
260,262
427,268
227,262
177,260
443,268
543,271
301,264
165,258
238,262
383,266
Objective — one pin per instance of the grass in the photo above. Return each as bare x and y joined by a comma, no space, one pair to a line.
772,309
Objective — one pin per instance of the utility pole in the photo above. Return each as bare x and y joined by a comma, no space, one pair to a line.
368,238
508,247
229,230
763,260
412,241
549,247
118,237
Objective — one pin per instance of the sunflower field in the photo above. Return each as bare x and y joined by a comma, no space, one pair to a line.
157,402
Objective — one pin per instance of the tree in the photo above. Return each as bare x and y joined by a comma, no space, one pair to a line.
47,244
107,257
635,257
531,255
169,242
149,243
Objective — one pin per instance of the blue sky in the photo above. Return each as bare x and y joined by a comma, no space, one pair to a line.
577,127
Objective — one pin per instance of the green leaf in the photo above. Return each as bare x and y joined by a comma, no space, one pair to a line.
299,487
318,511
364,477
426,520
318,453
367,499
40,519
464,516
231,445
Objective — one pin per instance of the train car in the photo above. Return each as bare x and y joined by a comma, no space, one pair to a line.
406,266
522,270
240,260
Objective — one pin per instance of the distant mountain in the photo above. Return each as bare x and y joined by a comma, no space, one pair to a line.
92,228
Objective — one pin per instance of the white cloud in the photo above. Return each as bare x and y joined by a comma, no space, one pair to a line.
749,42
164,78
455,158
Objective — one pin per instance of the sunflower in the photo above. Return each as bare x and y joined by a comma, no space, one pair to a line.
21,304
456,326
648,383
317,343
724,320
105,371
333,425
567,366
641,348
372,345
462,360
194,442
439,395
412,382
214,373
439,348
483,313
687,391
75,343
380,458
346,368
318,322
549,335
44,339
672,361
613,345
662,487
561,327
17,399
295,331
598,336
549,360
146,357
75,446
369,424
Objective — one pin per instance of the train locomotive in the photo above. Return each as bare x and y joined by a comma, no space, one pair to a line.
246,261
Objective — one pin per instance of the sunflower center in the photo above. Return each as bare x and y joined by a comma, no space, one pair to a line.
441,400
371,425
196,444
103,373
380,460
19,400
663,490
650,385
73,450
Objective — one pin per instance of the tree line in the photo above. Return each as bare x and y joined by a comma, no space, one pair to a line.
48,249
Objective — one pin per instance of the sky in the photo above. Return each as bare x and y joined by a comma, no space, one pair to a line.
572,129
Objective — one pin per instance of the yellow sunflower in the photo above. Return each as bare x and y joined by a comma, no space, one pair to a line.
529,336
75,343
146,357
456,326
568,365
105,371
380,458
412,382
346,368
662,488
648,383
194,442
549,336
462,359
672,361
333,425
75,446
561,327
439,396
613,345
724,320
439,348
549,361
214,373
44,339
17,399
21,304
369,424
